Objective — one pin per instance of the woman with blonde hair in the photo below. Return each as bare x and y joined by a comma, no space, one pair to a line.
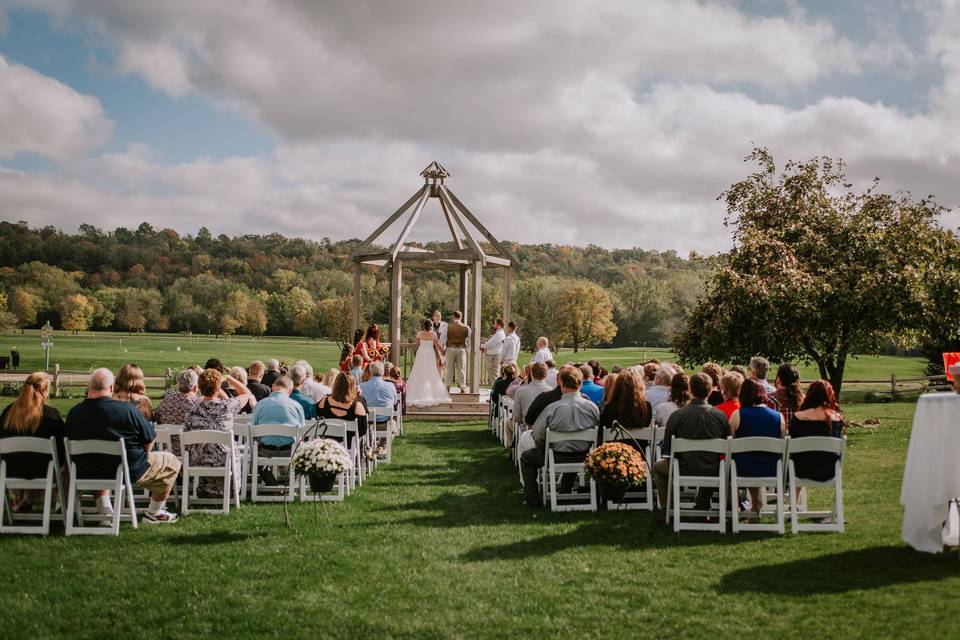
30,415
131,387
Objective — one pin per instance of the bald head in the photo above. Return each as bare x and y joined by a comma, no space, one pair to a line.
101,383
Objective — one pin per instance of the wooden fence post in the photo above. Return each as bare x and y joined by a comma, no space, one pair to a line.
56,380
893,385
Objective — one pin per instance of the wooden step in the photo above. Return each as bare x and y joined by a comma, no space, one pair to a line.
447,415
479,408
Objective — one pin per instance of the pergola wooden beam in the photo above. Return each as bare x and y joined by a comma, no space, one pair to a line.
408,227
504,251
389,221
480,255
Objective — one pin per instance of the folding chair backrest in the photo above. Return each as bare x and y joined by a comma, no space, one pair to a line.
170,428
758,444
647,434
27,444
205,436
707,445
583,435
86,447
163,441
262,430
335,429
818,443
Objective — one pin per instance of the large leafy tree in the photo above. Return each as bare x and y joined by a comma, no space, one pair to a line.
817,271
585,315
76,312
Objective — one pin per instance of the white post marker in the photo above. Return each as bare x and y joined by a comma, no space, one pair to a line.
46,335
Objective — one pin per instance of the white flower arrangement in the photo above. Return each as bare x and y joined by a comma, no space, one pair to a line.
321,456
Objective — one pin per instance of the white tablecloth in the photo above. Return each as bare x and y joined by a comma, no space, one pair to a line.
931,478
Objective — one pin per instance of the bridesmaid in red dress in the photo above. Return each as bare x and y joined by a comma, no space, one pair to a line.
369,348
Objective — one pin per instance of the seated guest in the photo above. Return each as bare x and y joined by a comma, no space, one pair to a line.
527,393
179,399
543,353
131,388
214,363
297,376
650,370
756,420
759,366
730,387
819,415
397,379
608,387
628,406
379,393
214,413
321,380
356,368
99,417
742,370
616,369
254,381
599,373
277,408
789,396
310,387
518,382
240,374
589,387
30,415
508,374
272,373
343,403
552,372
715,372
659,391
679,397
696,421
571,413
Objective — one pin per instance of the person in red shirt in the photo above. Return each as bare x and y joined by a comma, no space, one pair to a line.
730,387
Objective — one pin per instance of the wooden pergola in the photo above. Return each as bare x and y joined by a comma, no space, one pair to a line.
468,257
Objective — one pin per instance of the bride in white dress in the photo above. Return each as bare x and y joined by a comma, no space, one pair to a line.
425,386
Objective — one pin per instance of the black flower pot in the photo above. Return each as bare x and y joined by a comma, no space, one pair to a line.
612,492
322,482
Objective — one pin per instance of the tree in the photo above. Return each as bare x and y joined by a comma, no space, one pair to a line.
335,318
76,313
536,305
585,315
131,315
283,309
817,272
8,321
639,309
24,306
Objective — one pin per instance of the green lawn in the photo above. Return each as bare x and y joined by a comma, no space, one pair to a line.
437,545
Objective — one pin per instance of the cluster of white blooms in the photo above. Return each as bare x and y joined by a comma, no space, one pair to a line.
321,455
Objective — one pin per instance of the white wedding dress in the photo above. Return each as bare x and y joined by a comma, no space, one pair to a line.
425,386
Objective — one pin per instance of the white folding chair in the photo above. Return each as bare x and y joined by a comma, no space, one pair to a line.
573,501
195,471
818,444
776,446
339,430
676,481
11,448
506,418
383,430
271,493
242,472
120,484
646,498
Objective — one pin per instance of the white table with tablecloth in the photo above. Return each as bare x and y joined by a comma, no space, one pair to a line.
931,478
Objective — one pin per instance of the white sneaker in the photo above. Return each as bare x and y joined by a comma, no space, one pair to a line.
160,517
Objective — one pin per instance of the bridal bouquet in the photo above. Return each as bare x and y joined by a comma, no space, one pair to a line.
616,464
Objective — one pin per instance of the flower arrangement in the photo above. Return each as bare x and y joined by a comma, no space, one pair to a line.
617,464
321,457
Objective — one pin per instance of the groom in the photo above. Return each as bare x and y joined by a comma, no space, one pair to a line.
458,335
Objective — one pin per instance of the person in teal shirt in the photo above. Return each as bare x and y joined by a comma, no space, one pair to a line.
298,374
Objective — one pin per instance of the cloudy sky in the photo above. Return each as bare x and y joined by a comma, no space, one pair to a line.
614,123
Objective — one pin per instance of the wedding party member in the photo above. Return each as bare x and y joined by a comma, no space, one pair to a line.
730,385
679,397
543,353
100,417
511,344
759,366
659,391
272,373
696,421
179,400
458,338
254,377
132,388
369,349
214,412
492,349
572,412
425,386
756,420
440,328
30,415
789,396
819,415
589,387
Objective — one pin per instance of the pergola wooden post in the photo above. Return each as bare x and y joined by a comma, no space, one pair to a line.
465,255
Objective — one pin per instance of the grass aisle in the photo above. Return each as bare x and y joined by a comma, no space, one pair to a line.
437,545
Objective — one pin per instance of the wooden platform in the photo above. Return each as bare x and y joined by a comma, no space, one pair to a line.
465,407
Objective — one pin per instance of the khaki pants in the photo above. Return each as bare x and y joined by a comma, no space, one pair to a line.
492,364
456,374
162,474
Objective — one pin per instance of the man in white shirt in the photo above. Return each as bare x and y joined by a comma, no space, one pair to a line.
440,327
552,372
659,391
758,371
492,349
310,386
511,344
543,351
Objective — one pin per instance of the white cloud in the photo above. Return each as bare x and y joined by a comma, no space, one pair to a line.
43,116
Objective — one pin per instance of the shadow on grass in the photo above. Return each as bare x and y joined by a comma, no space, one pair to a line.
870,568
212,538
